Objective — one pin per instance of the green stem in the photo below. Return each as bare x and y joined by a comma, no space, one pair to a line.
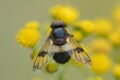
60,75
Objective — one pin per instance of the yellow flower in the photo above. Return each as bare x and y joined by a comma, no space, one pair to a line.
100,45
67,14
86,25
28,37
100,63
116,71
32,25
103,26
51,67
114,37
77,35
116,14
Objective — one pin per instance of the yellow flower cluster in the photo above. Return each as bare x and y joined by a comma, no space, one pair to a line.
114,37
67,14
86,25
77,35
116,14
100,45
101,35
51,67
29,35
116,70
32,25
100,63
103,26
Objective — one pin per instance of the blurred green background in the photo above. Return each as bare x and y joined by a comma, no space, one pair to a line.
15,61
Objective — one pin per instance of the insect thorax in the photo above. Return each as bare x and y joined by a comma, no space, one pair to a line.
58,36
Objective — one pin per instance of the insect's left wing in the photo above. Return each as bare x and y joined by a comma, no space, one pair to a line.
78,53
43,56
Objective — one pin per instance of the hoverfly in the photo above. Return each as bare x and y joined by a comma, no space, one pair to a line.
60,46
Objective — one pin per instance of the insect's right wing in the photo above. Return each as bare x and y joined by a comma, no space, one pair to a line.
43,56
78,53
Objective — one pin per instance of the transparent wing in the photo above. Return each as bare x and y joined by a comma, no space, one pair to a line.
43,56
78,53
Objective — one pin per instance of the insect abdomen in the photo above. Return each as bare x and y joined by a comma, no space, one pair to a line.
61,57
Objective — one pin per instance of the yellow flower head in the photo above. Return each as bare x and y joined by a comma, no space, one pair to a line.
114,37
67,14
51,67
100,45
86,25
100,63
116,70
103,26
77,35
32,25
28,37
116,14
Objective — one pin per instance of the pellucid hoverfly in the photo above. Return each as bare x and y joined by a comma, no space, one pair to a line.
60,46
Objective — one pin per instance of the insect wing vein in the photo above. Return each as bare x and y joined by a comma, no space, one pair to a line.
43,57
78,53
